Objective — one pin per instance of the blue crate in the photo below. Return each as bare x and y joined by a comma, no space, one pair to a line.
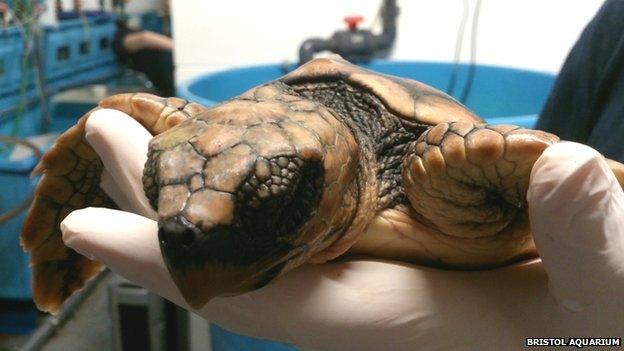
11,51
60,57
81,47
77,50
94,44
102,35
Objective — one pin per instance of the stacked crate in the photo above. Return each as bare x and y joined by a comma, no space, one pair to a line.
79,51
11,56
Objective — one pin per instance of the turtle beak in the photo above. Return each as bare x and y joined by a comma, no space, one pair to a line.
204,264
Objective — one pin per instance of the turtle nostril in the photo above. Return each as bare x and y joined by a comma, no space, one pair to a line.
187,237
177,232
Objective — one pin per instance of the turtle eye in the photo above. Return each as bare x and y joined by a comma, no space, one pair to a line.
150,178
279,196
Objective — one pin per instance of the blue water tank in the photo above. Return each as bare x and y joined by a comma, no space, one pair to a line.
498,94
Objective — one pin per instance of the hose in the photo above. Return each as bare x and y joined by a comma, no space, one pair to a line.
450,89
473,53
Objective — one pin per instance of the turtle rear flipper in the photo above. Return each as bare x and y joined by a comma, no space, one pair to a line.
71,176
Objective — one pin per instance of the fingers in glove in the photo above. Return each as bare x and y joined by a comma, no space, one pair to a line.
311,306
122,145
576,207
107,183
125,242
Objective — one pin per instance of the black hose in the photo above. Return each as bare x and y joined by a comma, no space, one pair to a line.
311,46
365,47
389,14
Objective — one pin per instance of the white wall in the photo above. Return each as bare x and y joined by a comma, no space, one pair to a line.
536,34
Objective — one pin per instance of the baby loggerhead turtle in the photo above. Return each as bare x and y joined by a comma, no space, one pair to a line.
327,160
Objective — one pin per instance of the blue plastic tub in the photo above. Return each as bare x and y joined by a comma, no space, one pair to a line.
498,94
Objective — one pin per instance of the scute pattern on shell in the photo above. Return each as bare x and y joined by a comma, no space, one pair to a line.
406,98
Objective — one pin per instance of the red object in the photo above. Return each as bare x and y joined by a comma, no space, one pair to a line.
353,21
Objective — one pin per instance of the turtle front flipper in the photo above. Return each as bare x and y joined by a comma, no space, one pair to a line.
468,183
70,181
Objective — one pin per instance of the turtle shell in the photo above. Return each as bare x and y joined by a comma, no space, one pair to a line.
405,98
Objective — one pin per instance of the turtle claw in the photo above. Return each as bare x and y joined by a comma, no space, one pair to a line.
155,113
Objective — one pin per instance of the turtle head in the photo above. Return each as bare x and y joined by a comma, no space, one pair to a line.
247,192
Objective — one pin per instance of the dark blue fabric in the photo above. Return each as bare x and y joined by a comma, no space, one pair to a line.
587,101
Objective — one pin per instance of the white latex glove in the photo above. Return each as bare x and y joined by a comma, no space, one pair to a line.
576,290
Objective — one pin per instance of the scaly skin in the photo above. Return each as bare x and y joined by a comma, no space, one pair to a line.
469,182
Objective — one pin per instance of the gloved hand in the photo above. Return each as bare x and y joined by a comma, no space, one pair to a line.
575,290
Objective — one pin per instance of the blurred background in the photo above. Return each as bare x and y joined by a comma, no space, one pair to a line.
59,58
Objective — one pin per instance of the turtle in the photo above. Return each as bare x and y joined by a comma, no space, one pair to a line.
330,160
